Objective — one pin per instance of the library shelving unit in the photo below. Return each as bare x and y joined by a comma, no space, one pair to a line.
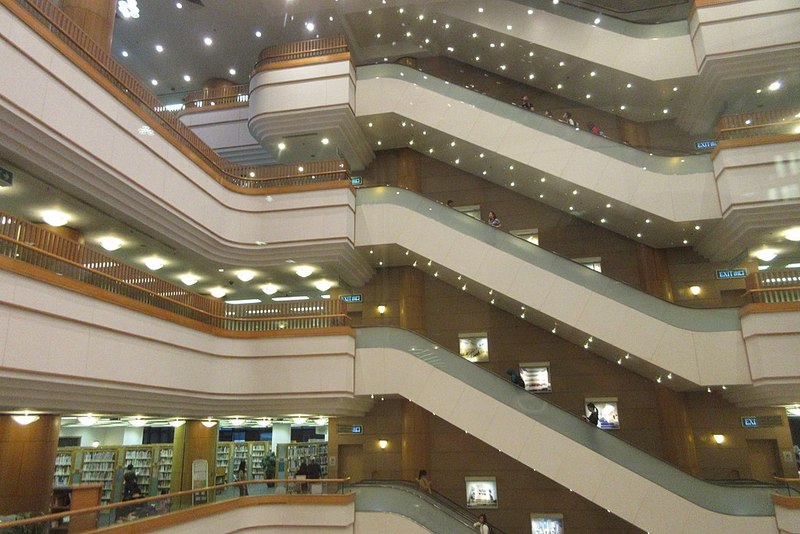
164,469
142,460
66,498
294,453
223,461
98,466
258,452
240,452
63,472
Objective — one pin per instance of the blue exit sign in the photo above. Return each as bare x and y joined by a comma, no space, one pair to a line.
356,180
750,421
357,429
704,145
723,274
6,177
355,297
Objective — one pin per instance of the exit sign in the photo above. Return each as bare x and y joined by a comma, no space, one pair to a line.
724,274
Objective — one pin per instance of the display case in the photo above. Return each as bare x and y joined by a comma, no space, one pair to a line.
547,524
481,492
474,346
536,376
607,411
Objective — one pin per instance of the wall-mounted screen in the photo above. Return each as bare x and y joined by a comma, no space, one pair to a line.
474,346
547,524
481,492
536,376
608,415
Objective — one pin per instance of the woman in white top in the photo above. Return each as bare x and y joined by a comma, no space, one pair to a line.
482,526
493,220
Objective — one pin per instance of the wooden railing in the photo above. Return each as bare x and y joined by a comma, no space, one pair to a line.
759,124
774,286
230,95
31,244
302,50
53,25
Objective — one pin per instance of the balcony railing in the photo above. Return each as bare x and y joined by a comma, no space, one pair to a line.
774,286
759,124
231,95
23,242
53,25
302,50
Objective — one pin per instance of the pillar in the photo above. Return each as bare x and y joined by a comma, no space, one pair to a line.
416,446
193,441
95,17
654,272
677,437
27,463
412,300
281,433
633,133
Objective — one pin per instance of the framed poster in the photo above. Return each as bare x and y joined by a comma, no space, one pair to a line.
481,492
474,347
608,415
547,524
536,376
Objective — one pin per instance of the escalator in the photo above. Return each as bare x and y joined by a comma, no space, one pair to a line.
628,482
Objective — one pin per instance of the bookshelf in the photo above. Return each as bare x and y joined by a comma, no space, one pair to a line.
297,452
98,466
258,451
63,470
240,452
142,460
164,469
223,461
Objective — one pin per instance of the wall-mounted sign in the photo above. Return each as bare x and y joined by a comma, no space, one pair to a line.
6,177
703,145
350,429
357,429
762,421
724,274
356,180
481,492
355,297
474,347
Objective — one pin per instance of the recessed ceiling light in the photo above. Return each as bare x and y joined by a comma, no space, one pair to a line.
675,88
774,86
571,208
647,221
450,49
509,27
480,10
561,63
281,146
258,33
154,82
588,96
685,241
474,35
377,35
593,73
159,48
310,26
666,110
543,179
597,20
232,72
421,16
530,12
602,220
639,235
622,108
124,53
502,67
629,85
178,5
208,41
325,141
555,1
187,78
477,58
559,86
697,227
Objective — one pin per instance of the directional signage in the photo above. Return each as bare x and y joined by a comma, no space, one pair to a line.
356,297
356,180
703,145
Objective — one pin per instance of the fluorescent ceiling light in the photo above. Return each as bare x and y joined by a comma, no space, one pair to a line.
288,299
269,289
110,243
55,217
25,419
793,266
243,301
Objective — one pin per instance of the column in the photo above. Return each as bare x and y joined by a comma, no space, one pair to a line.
193,441
27,464
412,299
677,438
408,175
281,433
416,447
654,272
95,17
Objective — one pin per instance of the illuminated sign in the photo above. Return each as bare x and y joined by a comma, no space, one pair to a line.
731,273
6,177
356,297
702,145
356,180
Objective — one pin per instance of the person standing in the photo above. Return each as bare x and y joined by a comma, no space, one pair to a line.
424,482
241,476
493,220
481,524
594,414
129,484
515,378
